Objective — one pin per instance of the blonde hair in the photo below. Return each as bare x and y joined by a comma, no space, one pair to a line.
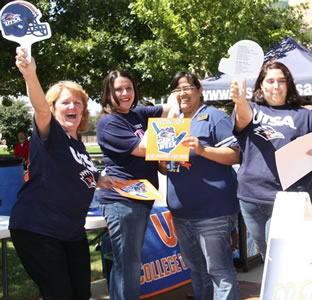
54,92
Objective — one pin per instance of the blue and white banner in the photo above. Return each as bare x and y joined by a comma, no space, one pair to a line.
163,268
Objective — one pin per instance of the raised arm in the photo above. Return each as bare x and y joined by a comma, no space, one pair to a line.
35,93
243,110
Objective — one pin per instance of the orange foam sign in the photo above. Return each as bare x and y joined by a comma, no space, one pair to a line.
164,137
139,189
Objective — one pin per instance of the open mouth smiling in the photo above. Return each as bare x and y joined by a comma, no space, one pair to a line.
71,116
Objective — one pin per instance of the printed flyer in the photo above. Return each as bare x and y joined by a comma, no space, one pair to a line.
164,139
140,189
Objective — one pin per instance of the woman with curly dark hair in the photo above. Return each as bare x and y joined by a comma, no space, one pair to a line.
273,118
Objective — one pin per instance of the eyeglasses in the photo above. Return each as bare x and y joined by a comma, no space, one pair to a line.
183,89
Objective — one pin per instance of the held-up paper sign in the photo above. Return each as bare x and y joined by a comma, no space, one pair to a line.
20,23
246,59
164,139
294,160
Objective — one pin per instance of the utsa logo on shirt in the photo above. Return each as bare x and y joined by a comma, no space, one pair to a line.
262,118
268,133
87,177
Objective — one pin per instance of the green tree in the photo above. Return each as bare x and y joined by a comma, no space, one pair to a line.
196,34
89,39
14,116
153,39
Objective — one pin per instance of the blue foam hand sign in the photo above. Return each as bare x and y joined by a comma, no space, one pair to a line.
167,139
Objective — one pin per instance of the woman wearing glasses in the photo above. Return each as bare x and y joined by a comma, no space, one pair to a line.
273,118
202,198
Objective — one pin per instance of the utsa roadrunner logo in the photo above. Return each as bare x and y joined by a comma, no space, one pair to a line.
87,177
268,133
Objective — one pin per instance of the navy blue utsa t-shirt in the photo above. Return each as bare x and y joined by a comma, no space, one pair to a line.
62,180
270,129
118,136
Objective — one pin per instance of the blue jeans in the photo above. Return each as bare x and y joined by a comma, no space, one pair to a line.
257,218
206,249
127,223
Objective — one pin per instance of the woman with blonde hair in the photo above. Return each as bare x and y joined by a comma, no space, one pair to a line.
47,220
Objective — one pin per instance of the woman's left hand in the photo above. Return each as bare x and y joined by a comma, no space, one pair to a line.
194,144
108,182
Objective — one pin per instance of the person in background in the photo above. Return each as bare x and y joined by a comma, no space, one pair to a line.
273,118
120,130
202,197
47,220
21,149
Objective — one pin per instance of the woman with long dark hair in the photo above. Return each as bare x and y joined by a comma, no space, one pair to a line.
273,118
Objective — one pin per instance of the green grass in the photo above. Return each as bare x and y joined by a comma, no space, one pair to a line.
93,149
4,151
20,286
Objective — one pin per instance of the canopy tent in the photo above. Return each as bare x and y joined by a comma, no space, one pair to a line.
216,89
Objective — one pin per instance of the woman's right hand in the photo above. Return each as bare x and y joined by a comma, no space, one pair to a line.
243,114
25,67
237,94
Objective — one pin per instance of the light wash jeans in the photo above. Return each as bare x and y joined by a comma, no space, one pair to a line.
127,223
206,249
257,218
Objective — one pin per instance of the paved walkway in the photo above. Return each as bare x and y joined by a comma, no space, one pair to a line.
254,275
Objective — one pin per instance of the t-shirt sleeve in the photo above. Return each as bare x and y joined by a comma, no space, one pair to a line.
223,132
36,139
116,135
154,111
